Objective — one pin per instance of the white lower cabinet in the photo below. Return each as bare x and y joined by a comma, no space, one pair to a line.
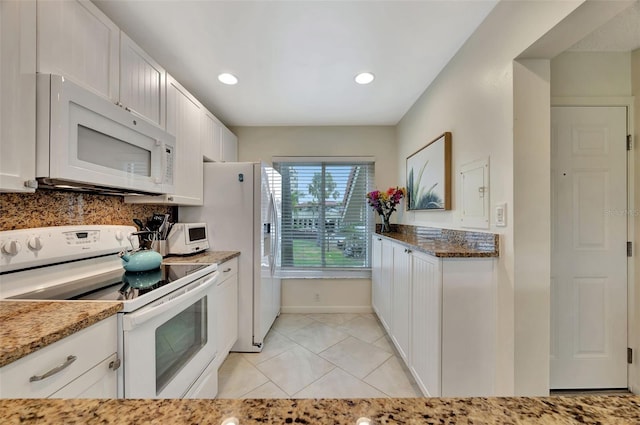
81,365
426,320
382,280
400,299
442,317
227,311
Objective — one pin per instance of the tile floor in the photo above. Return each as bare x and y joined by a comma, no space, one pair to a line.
319,356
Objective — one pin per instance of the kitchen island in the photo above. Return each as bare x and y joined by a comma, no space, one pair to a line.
613,409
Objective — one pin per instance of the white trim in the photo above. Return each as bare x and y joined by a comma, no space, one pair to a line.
332,159
305,309
364,273
628,102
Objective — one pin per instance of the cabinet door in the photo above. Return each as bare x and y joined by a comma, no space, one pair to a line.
211,137
227,311
386,284
99,382
78,41
376,274
229,146
18,100
426,308
401,306
142,83
183,121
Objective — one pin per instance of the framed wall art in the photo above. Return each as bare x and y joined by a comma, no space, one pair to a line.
429,176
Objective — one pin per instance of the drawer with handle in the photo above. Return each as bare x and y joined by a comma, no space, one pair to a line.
43,372
227,269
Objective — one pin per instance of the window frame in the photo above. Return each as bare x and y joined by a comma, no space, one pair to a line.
323,271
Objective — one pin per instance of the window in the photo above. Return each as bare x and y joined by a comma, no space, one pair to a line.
326,224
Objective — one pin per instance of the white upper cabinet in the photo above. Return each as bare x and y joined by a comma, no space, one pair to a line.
184,115
229,146
78,41
142,83
18,99
211,137
219,144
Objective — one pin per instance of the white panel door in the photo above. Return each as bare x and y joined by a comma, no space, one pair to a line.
588,253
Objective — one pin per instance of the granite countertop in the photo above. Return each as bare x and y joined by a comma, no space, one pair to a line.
438,248
614,409
206,257
28,326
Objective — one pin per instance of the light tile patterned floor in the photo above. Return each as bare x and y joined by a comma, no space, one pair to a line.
319,356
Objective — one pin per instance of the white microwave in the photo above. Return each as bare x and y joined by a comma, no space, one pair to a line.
84,141
187,238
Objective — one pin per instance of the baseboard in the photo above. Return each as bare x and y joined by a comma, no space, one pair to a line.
306,309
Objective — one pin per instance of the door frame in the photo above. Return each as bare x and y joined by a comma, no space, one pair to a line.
633,327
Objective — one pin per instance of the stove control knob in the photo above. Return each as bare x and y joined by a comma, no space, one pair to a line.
119,235
35,243
11,247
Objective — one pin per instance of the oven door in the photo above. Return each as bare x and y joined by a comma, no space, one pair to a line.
169,343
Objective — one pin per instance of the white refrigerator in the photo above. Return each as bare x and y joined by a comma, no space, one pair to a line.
242,211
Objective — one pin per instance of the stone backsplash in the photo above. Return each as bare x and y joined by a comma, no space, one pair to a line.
60,208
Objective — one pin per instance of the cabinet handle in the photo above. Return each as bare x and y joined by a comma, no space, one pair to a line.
70,359
170,198
379,239
409,251
226,270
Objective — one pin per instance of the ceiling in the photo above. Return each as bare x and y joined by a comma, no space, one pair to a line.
296,60
620,34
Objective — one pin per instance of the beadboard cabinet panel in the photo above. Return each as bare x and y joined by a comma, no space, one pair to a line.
401,298
142,83
426,321
76,40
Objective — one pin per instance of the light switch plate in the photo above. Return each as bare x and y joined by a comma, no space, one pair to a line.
501,215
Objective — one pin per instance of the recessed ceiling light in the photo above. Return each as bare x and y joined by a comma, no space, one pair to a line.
364,78
229,79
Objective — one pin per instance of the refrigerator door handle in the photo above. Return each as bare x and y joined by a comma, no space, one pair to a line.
272,219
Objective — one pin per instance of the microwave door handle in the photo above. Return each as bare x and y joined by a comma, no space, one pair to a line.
132,320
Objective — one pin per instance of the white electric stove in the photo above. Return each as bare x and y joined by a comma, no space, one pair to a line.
166,328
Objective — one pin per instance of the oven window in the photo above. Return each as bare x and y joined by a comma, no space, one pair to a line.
178,340
107,151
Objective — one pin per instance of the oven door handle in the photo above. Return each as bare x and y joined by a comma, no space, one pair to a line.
189,292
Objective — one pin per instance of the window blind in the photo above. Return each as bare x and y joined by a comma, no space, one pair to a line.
326,223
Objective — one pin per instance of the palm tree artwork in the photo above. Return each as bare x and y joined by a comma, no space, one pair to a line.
429,176
418,198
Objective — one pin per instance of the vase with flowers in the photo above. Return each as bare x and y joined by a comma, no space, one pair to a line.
384,203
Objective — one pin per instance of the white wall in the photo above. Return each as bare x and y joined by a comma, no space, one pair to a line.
591,74
474,99
262,143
